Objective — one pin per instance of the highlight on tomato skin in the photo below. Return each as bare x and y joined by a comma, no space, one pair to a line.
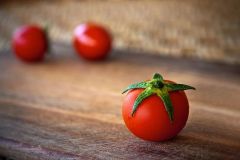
92,41
30,43
156,110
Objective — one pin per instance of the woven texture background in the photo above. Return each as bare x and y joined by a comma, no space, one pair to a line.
194,29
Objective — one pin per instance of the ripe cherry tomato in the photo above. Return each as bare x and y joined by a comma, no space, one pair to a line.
92,41
151,120
29,43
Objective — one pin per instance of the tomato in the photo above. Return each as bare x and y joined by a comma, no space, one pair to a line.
151,120
29,43
92,41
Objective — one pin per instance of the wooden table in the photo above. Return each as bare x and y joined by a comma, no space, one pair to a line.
66,108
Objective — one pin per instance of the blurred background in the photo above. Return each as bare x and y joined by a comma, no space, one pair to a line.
196,29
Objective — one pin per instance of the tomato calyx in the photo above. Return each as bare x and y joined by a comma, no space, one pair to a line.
161,88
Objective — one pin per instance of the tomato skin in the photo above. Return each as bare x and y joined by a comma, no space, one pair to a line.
92,42
151,121
29,43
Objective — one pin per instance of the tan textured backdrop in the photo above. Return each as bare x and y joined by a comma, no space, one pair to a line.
195,29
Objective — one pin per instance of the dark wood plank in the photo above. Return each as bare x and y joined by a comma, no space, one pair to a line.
50,135
66,108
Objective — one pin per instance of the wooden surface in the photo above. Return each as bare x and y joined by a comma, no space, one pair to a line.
66,108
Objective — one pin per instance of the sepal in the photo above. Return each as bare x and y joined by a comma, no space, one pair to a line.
141,97
136,85
177,87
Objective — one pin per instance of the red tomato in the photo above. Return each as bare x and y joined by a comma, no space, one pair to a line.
151,120
29,43
92,42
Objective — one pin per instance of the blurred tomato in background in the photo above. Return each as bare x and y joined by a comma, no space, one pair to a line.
92,41
30,43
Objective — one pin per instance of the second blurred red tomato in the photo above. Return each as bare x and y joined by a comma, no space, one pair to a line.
92,41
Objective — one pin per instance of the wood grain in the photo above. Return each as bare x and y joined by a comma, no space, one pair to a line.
66,108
